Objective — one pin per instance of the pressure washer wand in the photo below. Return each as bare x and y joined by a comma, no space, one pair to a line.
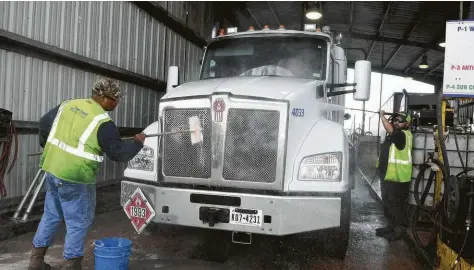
368,111
160,134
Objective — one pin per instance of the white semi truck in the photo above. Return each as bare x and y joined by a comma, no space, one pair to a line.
274,159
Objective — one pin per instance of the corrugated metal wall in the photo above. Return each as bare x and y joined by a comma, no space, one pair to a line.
116,33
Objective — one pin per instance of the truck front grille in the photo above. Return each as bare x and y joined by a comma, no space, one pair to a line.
251,145
180,157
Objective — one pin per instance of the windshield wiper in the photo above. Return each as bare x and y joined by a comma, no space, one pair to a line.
267,75
217,77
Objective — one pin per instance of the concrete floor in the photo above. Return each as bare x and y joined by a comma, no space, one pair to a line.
168,247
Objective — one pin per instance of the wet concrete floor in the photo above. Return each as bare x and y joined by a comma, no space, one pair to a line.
167,247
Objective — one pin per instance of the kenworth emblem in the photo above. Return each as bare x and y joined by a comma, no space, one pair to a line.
218,107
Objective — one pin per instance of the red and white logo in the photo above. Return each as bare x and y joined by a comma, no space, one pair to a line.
218,107
139,210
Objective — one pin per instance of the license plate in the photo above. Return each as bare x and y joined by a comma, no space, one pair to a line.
246,217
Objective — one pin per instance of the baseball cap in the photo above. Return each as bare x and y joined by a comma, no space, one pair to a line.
405,117
107,87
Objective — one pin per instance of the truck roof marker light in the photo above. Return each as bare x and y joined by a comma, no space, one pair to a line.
231,30
266,27
214,32
251,28
310,27
282,27
339,38
326,29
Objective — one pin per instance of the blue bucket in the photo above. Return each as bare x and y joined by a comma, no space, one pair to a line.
112,253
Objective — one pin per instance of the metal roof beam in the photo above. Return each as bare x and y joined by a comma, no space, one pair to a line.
408,67
22,45
431,45
351,19
255,20
436,40
419,77
222,10
413,25
438,65
386,11
270,5
162,15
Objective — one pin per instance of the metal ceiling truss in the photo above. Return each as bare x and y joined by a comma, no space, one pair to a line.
410,29
386,12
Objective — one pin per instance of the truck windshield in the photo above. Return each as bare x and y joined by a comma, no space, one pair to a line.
295,56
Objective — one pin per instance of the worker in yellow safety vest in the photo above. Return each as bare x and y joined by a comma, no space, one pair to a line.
74,135
395,170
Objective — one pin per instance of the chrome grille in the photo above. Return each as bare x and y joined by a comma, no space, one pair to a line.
180,157
251,145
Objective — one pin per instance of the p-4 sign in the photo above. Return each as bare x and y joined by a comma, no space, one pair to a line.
139,210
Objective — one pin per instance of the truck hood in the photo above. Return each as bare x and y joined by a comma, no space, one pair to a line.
261,86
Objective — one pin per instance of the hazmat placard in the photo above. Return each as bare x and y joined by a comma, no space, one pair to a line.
458,78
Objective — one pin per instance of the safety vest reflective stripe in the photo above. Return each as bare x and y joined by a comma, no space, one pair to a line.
90,128
55,122
76,151
392,158
79,151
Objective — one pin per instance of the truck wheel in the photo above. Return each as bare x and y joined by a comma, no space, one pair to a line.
337,239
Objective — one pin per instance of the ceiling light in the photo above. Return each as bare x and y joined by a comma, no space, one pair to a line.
312,11
442,44
313,14
424,62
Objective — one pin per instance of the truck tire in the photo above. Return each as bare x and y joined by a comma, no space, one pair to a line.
336,240
332,242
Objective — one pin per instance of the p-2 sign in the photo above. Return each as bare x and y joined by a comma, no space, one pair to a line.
139,210
297,112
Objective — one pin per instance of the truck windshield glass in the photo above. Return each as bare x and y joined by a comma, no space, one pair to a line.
300,57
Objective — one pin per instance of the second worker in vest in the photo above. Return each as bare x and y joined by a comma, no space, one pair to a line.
395,171
74,136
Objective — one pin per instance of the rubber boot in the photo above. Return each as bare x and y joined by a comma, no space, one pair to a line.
72,264
397,234
37,259
384,231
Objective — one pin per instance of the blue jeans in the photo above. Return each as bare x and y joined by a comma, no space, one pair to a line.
73,203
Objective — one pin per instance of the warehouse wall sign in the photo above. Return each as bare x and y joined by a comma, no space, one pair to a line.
458,78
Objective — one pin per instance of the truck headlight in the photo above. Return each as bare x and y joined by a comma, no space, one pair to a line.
143,160
323,167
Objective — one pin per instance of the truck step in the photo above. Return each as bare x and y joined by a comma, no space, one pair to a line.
241,238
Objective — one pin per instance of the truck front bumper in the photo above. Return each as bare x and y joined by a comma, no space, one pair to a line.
281,215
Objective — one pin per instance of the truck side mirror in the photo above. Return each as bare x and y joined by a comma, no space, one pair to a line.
362,76
172,81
